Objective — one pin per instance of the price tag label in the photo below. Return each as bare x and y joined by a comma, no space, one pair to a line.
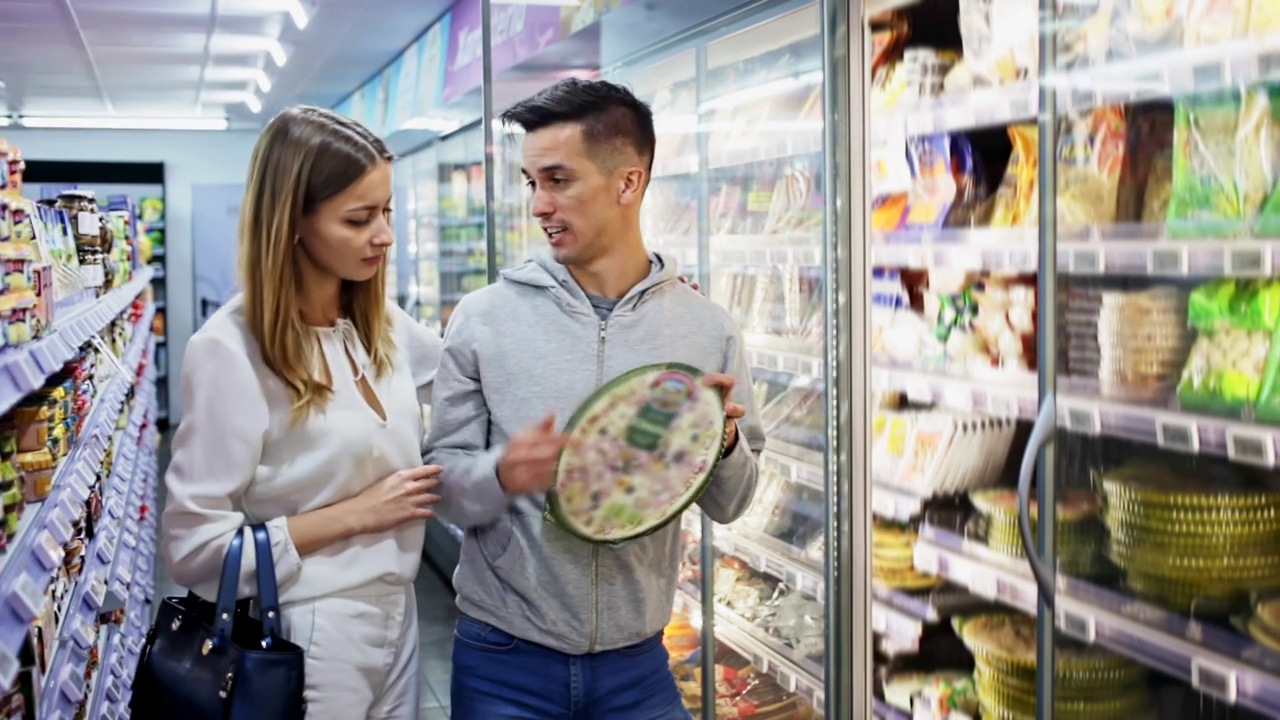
97,592
49,551
984,583
1078,625
125,575
882,503
918,390
1212,679
1087,261
1251,261
83,634
1168,261
72,684
1021,261
60,526
959,117
958,397
1086,421
107,547
1002,405
1251,446
1179,435
879,619
8,667
926,559
28,597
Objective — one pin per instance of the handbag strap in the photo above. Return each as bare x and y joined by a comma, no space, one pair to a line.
268,593
224,608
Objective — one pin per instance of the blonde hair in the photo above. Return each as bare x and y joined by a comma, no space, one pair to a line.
305,156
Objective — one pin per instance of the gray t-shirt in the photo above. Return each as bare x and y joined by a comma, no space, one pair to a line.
602,305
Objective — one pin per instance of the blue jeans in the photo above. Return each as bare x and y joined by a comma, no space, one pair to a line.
497,676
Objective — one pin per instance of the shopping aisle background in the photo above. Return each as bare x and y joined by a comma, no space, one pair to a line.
436,615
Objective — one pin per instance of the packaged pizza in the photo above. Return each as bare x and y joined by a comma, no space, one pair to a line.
637,453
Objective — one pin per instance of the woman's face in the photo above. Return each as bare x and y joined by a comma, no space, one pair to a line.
349,235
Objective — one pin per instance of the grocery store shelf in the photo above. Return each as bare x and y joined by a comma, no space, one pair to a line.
765,554
1002,394
24,368
983,107
972,565
1212,659
1172,73
901,630
1170,258
895,503
65,684
1171,429
37,551
684,165
797,471
769,655
1007,250
768,250
798,357
779,147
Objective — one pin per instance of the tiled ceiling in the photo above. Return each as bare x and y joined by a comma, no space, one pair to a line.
194,58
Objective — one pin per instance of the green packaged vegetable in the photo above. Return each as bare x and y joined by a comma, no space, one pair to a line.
1228,363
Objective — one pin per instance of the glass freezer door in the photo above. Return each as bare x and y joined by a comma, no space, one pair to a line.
1074,307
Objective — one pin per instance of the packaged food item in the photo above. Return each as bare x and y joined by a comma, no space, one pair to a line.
1264,20
971,189
933,186
1090,159
37,474
1234,321
1000,40
1143,27
1215,22
1082,32
1017,201
1223,163
1143,194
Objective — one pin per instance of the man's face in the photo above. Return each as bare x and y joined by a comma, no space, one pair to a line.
578,205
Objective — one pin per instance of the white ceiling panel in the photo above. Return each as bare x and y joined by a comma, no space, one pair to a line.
195,57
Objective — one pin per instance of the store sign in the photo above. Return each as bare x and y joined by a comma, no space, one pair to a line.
518,32
431,49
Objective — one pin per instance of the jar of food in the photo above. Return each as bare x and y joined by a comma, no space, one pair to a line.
37,474
82,209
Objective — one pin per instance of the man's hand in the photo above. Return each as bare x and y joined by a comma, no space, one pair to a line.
529,463
732,410
692,285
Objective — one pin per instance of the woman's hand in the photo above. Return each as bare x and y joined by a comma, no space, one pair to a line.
401,497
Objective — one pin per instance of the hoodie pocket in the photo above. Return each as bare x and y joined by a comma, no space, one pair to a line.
495,540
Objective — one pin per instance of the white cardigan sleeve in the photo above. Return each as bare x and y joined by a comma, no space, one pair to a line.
423,346
215,453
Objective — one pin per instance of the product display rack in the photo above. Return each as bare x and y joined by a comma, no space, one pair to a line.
1063,232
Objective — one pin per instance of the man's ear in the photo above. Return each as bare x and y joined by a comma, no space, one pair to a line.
631,182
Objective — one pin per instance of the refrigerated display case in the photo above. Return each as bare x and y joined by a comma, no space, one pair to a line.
738,201
1070,211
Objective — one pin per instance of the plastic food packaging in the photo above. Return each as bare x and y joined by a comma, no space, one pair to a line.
1264,20
933,187
1223,163
1215,22
1142,27
1091,154
1017,199
1227,367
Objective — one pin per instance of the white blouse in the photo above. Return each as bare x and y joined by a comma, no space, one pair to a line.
238,460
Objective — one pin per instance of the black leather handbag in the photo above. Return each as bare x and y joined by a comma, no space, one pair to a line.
216,662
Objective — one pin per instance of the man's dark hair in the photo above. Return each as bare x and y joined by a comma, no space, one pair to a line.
609,114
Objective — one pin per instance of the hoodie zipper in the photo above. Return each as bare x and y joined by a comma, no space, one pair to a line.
595,550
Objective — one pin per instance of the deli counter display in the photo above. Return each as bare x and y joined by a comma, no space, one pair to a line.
1072,224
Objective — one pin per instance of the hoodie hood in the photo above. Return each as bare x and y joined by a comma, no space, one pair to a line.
542,271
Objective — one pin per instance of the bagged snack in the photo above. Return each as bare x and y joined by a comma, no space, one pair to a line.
933,187
1222,163
1143,27
1264,20
1082,31
971,189
1234,321
1144,182
1090,158
1018,197
1216,22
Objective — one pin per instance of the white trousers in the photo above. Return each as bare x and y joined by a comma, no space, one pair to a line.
362,655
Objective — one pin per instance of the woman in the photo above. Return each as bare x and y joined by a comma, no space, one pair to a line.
302,409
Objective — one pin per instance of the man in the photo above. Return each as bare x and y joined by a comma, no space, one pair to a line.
551,626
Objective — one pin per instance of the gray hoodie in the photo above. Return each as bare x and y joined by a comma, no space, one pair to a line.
532,344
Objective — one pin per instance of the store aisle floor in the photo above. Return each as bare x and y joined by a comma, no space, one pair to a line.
436,615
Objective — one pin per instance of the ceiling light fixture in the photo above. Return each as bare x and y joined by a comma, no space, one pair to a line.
277,52
124,123
253,102
264,82
298,12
